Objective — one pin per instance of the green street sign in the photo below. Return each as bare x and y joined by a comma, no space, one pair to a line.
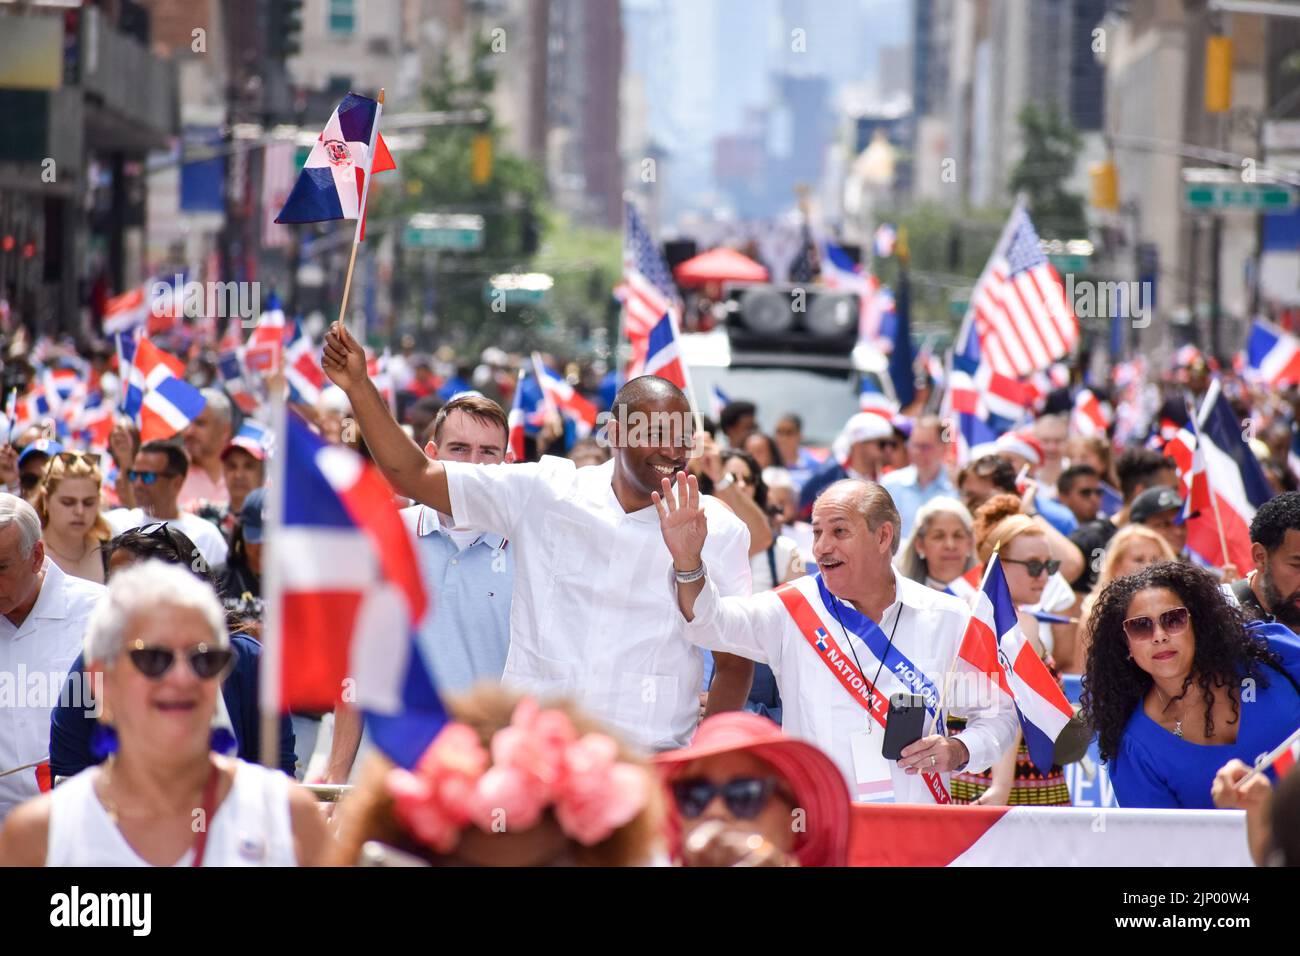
1250,197
450,233
1069,263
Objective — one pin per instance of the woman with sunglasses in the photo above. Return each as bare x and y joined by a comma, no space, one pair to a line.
1177,685
1025,552
72,525
744,794
159,645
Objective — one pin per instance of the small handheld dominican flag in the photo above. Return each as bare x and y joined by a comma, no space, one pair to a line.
994,646
347,596
332,183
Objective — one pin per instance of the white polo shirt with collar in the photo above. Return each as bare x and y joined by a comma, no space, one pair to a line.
34,661
594,617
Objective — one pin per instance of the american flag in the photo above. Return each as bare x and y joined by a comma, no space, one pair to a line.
647,291
1019,307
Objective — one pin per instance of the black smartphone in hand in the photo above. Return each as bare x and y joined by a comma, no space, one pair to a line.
904,724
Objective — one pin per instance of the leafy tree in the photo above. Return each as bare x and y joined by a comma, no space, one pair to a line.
1052,149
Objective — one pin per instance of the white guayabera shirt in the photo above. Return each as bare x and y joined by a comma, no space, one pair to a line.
594,617
34,662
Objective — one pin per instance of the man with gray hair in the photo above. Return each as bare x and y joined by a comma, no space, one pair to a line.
843,641
43,616
205,439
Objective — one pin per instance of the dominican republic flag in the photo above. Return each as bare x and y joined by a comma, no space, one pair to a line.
985,404
872,399
565,398
130,396
33,408
170,403
1229,478
130,310
1091,415
663,356
1272,354
265,349
302,369
332,184
93,425
346,598
993,646
840,273
230,366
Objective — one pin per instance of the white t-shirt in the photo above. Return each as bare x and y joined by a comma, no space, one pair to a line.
784,553
206,536
594,619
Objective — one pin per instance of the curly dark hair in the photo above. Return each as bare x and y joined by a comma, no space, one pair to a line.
1113,685
1274,519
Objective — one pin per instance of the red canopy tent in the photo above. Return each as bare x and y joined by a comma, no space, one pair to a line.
718,265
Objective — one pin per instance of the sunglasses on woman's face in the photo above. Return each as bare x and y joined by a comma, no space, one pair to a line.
206,662
1173,621
745,797
1036,567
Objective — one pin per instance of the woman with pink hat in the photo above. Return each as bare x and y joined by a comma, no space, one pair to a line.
744,794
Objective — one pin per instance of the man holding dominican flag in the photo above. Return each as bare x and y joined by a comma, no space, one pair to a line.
844,641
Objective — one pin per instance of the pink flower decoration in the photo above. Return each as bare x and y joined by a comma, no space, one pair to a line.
414,804
600,795
534,744
507,796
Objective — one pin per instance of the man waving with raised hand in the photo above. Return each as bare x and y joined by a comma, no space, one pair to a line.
843,641
592,618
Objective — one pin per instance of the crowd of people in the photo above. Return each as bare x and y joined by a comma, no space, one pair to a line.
687,647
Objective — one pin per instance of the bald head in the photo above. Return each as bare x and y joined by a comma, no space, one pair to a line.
649,392
868,499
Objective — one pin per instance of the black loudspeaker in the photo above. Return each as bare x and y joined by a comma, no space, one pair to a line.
792,318
677,251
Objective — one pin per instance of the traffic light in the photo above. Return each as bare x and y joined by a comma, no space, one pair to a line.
480,159
1218,74
284,28
1105,185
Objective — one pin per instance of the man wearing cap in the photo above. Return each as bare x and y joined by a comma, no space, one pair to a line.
1158,508
205,439
1025,453
243,463
925,477
31,465
858,452
843,641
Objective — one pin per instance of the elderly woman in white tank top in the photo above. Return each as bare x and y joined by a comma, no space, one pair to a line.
159,641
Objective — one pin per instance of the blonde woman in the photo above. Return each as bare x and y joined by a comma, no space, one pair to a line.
72,524
941,547
1132,549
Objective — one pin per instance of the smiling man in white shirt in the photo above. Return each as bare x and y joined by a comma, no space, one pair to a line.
43,615
835,666
592,618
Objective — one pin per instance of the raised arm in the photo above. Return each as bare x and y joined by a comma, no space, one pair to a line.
407,468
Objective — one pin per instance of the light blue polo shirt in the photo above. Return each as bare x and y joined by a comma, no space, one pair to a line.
466,635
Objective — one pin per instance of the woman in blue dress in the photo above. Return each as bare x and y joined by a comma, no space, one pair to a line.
1177,684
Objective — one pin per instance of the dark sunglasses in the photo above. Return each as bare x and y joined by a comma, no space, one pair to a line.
1172,621
1090,492
745,796
1036,567
149,477
206,662
72,457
